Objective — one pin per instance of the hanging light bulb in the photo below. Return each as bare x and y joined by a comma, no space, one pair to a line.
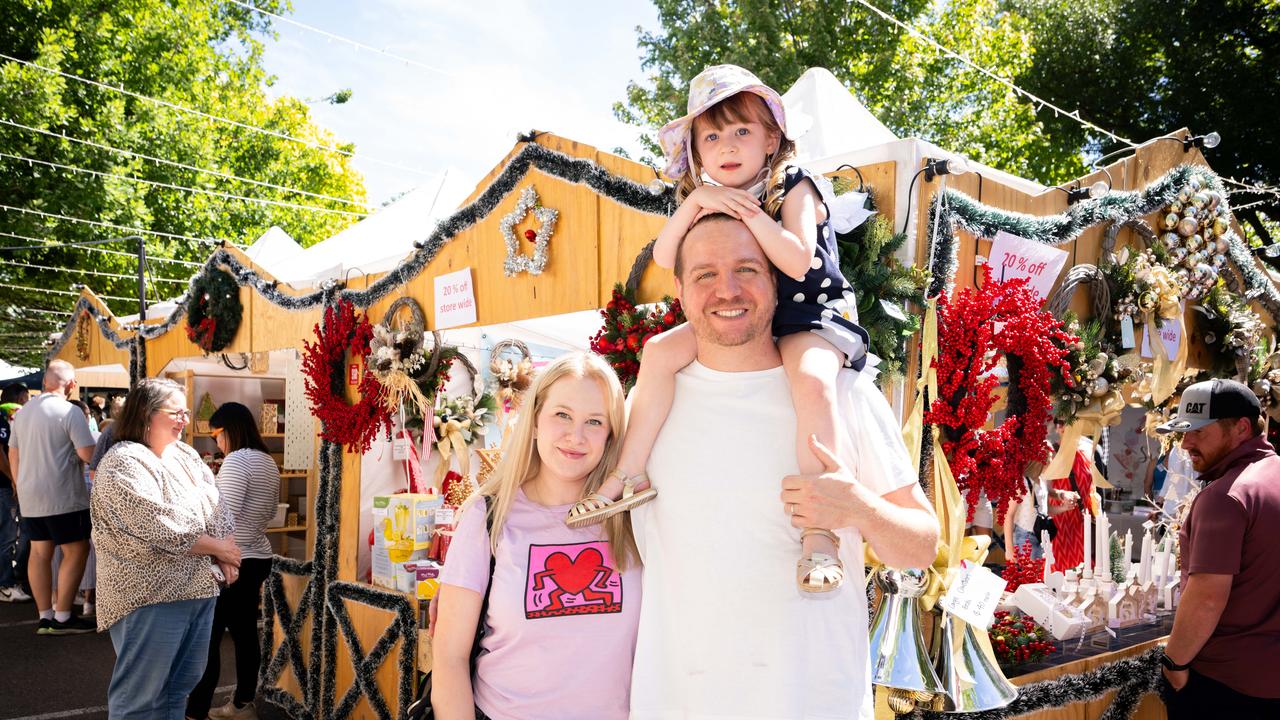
948,166
1099,189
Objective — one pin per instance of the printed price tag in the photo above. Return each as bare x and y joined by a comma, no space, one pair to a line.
444,516
1014,257
353,374
1126,333
974,596
400,448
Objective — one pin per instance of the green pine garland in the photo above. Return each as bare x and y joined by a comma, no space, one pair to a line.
884,288
951,209
214,309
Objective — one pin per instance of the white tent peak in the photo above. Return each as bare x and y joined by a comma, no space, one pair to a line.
273,250
840,123
380,241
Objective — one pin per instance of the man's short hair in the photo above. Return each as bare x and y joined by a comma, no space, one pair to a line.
58,374
1257,423
704,220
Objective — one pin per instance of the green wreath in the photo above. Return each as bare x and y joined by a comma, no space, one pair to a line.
213,310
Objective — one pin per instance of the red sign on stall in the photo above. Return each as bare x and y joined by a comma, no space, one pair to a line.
353,374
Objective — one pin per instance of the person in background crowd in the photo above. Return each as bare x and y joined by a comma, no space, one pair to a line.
248,488
11,398
98,407
560,597
50,442
1220,660
164,546
85,592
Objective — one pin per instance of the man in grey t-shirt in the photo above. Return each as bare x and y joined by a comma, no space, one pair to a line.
49,442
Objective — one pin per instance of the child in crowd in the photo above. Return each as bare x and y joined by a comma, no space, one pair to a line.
729,155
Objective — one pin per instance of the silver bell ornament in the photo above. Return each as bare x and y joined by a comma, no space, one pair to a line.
1100,387
1171,220
1187,227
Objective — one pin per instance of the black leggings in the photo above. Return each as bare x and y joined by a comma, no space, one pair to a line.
236,611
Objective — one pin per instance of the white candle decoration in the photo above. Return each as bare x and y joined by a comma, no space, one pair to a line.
1088,544
1144,559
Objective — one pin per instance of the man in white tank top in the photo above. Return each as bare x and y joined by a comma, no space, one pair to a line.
724,632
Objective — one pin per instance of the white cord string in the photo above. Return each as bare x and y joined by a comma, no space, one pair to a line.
113,226
184,166
354,43
1074,114
156,183
93,272
62,292
207,116
90,248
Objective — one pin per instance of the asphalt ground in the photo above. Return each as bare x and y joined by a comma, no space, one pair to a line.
46,677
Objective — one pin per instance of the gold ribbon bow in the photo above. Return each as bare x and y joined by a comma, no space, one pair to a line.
452,442
1090,420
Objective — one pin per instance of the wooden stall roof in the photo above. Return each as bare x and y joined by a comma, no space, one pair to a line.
95,349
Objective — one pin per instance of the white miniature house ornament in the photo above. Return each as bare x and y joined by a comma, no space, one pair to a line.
516,261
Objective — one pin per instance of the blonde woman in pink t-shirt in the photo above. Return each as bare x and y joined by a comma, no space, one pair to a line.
559,597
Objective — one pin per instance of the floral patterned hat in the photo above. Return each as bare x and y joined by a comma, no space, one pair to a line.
712,85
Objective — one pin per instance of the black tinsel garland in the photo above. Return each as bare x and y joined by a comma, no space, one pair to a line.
275,606
621,190
403,628
1132,677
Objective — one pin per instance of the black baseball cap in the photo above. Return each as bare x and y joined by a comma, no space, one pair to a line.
1212,400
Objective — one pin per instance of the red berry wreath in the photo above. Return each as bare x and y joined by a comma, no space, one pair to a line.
970,346
354,426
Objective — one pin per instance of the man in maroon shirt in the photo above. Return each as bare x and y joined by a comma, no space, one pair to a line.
1223,656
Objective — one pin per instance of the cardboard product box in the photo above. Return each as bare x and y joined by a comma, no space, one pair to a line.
427,578
403,527
404,523
396,575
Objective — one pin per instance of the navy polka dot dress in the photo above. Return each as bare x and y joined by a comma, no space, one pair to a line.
822,302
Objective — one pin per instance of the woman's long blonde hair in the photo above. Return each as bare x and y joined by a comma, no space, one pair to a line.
743,107
520,461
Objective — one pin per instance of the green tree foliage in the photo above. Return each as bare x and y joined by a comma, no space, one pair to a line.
199,54
1142,68
907,83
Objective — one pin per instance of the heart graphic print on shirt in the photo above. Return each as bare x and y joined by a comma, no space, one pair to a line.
576,579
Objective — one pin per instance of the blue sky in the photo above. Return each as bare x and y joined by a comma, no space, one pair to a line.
505,67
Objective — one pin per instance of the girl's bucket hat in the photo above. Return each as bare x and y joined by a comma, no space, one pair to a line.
709,87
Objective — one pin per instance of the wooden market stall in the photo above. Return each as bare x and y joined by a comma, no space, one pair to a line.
342,648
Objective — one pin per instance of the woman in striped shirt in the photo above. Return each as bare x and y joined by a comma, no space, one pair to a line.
249,486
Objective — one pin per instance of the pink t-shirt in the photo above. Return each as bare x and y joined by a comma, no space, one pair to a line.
560,633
